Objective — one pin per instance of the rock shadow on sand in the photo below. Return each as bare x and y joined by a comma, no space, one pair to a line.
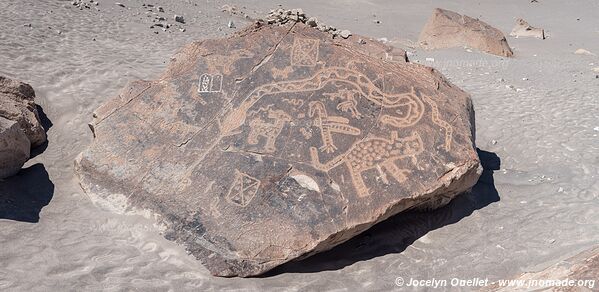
395,234
23,195
46,124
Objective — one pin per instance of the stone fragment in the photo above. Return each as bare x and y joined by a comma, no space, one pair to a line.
523,29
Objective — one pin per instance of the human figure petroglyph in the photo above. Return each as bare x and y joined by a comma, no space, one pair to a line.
328,125
225,62
269,131
304,52
243,189
373,153
414,108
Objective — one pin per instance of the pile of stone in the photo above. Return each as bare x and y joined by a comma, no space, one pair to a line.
160,21
20,125
81,4
282,16
233,10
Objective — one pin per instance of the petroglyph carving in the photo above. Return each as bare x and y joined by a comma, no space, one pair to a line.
373,153
413,106
436,117
348,101
304,52
294,101
243,190
269,131
226,62
281,73
409,114
305,133
329,125
210,83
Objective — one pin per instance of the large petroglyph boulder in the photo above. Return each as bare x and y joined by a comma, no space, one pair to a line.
17,104
447,29
280,142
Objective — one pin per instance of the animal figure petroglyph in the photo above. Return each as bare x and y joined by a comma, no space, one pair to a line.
328,125
413,105
373,153
270,131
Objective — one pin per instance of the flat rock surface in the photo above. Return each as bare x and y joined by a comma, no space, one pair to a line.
448,29
577,273
280,142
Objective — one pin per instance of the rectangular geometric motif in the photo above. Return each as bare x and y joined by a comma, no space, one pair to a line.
304,52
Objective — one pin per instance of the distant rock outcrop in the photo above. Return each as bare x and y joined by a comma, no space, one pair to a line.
280,142
448,29
523,29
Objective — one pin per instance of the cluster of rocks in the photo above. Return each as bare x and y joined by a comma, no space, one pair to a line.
20,125
282,16
233,10
160,21
81,4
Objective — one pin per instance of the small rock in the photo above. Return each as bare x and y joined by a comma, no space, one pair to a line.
523,29
494,142
120,4
345,33
583,52
160,9
179,18
231,24
312,21
377,21
524,79
361,41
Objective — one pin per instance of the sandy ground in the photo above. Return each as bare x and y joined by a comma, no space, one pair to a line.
537,128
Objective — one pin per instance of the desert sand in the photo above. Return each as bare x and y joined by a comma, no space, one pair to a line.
537,130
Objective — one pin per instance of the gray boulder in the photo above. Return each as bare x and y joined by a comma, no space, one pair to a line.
14,148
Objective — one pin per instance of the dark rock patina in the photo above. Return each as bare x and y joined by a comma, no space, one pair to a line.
280,142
